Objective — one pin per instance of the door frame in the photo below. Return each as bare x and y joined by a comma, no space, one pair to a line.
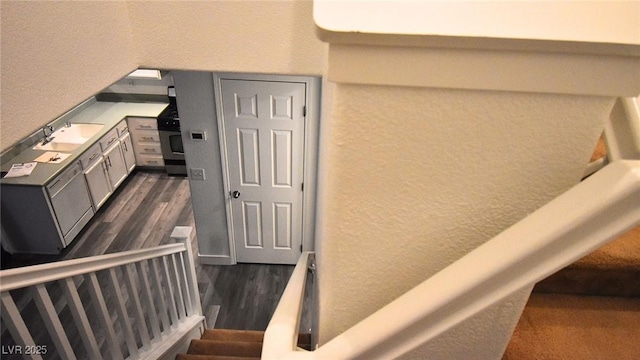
310,156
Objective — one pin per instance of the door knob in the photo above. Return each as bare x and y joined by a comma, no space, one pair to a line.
235,194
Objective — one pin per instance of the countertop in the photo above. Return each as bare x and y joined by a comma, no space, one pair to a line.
108,114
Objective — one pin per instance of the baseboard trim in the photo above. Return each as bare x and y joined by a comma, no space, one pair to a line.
215,260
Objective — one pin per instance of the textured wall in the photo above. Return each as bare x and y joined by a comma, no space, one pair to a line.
55,54
243,36
416,177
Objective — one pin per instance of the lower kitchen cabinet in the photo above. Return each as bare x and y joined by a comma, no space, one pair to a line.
146,142
62,208
98,183
45,215
109,169
116,168
128,152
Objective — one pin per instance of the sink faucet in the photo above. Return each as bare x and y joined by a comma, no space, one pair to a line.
47,130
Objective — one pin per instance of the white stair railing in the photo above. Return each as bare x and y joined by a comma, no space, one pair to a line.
282,332
137,304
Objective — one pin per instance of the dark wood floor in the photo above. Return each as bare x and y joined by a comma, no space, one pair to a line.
142,213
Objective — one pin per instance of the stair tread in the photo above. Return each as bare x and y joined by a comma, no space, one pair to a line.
211,357
225,348
233,335
621,253
558,326
613,270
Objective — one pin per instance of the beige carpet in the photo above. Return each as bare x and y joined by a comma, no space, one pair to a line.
568,327
613,270
588,310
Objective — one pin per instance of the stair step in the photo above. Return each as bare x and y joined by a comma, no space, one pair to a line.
559,326
225,348
212,357
233,335
304,340
613,270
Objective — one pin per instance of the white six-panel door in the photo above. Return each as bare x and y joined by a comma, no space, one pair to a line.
264,131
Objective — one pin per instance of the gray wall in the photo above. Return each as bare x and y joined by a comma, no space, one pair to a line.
196,106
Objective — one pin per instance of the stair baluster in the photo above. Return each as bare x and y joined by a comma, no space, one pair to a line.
89,332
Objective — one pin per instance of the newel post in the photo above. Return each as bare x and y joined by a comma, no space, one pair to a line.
182,234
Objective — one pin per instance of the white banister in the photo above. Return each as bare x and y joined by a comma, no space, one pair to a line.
125,323
52,322
149,302
179,298
182,233
157,283
19,278
599,209
139,271
80,318
281,336
169,286
16,325
622,130
103,315
137,307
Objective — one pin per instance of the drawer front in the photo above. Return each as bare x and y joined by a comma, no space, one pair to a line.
148,148
109,139
146,136
150,160
122,127
61,180
90,156
143,123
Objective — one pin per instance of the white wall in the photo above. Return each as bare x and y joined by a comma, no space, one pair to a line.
55,54
417,177
242,36
197,110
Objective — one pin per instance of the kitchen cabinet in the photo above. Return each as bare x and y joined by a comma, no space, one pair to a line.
98,183
46,218
146,141
106,169
69,198
126,146
42,213
127,151
116,168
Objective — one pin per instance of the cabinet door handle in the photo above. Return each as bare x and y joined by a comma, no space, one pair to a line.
54,184
145,126
109,159
124,144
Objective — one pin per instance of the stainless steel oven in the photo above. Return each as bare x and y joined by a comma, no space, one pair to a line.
171,138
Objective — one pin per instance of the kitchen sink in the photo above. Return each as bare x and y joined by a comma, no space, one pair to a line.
69,138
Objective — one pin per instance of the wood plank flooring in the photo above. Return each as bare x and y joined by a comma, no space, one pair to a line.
142,213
